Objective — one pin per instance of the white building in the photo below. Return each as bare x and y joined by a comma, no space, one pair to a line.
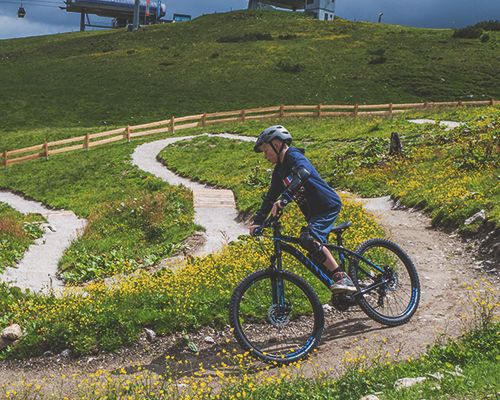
320,9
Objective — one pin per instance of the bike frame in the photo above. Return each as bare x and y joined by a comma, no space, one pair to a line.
283,243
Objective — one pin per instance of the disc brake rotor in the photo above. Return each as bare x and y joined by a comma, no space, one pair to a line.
278,316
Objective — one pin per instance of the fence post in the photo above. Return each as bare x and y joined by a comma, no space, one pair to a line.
492,102
127,134
459,103
390,109
86,141
204,119
426,104
356,106
318,111
243,115
282,111
46,150
5,162
172,124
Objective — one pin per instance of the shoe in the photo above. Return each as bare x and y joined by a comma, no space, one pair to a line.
342,283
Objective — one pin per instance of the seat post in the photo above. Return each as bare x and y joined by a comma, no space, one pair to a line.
339,238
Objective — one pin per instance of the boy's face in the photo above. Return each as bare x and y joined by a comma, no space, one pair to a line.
269,153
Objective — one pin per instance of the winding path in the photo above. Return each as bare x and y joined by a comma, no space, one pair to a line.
214,209
443,263
448,125
38,268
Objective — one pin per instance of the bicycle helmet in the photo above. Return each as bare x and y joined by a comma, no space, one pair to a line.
271,133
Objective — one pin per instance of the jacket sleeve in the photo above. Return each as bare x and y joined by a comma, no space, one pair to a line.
268,200
300,177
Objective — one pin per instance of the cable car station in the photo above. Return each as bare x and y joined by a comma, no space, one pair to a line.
122,11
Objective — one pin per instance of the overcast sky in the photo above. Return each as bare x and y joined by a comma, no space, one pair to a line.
44,16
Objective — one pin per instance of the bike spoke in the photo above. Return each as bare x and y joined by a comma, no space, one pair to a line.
394,298
275,330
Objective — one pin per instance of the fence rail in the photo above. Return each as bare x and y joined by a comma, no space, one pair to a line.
173,124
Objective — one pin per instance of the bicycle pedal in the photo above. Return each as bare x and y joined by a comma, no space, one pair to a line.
342,301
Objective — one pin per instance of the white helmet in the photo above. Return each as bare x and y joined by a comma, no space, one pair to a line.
271,133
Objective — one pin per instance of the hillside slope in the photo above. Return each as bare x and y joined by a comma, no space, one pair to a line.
233,60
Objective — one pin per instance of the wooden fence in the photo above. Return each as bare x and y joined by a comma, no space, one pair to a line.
201,120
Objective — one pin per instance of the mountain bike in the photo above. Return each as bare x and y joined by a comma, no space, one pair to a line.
277,316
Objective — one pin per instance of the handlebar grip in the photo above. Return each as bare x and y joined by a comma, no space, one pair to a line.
258,231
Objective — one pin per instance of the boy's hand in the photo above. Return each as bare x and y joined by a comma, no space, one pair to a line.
277,206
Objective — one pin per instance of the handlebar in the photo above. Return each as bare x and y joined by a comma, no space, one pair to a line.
269,222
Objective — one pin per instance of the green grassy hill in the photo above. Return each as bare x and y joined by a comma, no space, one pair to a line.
229,61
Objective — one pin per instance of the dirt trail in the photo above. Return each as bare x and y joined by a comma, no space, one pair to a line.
443,263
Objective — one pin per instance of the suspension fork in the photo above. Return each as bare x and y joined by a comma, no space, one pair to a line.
278,288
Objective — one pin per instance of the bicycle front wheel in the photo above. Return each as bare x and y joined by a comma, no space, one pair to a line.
277,316
389,280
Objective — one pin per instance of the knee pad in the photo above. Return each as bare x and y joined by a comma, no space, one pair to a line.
315,249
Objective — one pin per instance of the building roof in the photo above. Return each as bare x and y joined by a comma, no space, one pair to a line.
297,4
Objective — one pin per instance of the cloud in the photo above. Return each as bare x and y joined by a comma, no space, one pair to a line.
424,13
13,27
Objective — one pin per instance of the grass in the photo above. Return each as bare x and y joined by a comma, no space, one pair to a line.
134,218
325,140
474,355
463,368
451,175
109,317
77,81
17,233
318,63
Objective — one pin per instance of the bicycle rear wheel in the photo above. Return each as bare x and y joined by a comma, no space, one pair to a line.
395,288
276,316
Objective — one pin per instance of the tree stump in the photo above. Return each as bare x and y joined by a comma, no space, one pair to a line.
396,148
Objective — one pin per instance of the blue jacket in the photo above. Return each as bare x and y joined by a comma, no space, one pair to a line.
318,197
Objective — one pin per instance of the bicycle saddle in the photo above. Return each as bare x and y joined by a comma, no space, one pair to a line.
342,227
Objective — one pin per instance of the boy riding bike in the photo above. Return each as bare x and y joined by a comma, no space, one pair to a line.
295,179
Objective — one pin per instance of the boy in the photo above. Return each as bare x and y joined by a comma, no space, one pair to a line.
294,178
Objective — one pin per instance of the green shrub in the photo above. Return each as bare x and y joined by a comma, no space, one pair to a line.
286,66
492,25
469,32
378,56
144,229
287,36
247,37
485,37
17,232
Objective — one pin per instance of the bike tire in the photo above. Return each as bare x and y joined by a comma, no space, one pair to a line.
244,330
404,285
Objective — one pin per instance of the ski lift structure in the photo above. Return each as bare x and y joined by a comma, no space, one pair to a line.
122,11
21,12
